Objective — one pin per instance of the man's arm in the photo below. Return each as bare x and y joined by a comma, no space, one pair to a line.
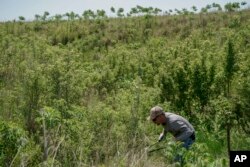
162,135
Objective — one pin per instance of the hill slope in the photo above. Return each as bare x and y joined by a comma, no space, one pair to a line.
78,92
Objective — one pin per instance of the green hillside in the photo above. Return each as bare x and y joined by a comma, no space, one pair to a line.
77,91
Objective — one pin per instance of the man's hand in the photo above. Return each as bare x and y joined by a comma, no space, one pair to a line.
161,137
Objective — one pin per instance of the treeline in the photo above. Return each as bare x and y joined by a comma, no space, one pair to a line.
78,92
138,11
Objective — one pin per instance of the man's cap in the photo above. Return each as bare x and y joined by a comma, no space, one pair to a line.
154,112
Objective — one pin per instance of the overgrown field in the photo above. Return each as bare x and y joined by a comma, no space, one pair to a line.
78,92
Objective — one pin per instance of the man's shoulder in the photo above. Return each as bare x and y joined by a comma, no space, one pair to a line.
172,117
168,114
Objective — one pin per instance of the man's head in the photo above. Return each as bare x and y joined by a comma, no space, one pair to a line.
157,115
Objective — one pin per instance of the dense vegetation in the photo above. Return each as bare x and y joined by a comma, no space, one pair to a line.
77,91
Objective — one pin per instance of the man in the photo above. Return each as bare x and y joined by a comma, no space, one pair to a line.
178,126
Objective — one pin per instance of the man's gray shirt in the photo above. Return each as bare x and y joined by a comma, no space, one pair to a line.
178,126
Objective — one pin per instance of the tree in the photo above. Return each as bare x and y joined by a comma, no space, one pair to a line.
21,18
202,81
120,12
139,8
67,15
112,9
157,11
88,14
58,17
219,7
92,15
230,7
45,15
203,10
208,7
133,11
229,70
37,17
236,5
72,15
185,11
177,11
85,15
230,65
101,13
167,88
182,84
215,5
243,3
194,8
166,13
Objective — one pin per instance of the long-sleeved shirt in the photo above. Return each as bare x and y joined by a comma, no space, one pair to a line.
178,126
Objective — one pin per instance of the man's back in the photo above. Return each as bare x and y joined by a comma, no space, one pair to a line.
178,126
